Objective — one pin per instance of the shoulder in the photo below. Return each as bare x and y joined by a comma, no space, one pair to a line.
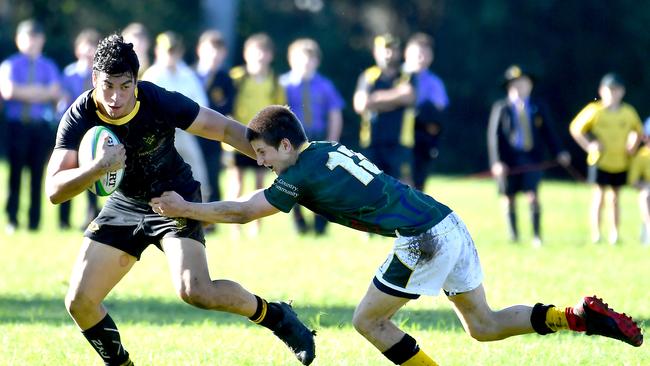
372,73
237,73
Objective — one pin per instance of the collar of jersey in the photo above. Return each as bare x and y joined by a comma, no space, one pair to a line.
122,120
304,147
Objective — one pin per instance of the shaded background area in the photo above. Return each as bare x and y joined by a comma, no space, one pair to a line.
566,45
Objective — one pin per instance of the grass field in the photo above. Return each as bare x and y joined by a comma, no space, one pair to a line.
326,278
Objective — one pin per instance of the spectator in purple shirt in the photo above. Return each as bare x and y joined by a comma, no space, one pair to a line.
316,102
430,103
29,83
77,78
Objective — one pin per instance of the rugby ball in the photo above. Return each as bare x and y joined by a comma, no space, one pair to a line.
90,145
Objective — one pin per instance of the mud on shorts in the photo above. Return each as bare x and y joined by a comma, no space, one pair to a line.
131,225
442,257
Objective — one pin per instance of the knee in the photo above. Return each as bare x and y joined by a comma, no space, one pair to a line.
200,293
77,303
485,331
194,295
365,324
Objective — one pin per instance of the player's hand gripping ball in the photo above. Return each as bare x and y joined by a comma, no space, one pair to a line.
91,145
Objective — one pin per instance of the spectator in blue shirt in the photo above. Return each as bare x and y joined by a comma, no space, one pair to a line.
76,79
30,86
316,102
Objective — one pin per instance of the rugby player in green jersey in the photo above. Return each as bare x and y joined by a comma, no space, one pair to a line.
433,249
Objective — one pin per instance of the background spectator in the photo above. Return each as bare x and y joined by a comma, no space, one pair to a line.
383,98
608,130
30,85
316,102
77,78
519,132
172,73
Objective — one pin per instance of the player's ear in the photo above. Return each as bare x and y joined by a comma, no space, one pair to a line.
94,78
286,144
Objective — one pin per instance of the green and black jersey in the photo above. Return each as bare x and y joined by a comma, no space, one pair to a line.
348,189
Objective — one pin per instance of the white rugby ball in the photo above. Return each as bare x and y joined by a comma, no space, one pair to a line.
91,143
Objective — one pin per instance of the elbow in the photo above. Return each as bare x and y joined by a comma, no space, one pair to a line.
55,199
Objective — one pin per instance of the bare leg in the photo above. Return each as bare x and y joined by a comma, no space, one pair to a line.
615,215
484,324
372,318
595,214
644,207
98,269
189,270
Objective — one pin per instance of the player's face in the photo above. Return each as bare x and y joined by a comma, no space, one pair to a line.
418,58
277,160
611,95
521,87
303,63
115,94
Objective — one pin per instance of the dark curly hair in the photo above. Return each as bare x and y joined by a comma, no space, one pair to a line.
115,57
274,123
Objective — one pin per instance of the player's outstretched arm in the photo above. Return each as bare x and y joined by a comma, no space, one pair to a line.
245,209
215,126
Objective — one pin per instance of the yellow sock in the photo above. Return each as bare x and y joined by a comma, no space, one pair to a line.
420,359
556,319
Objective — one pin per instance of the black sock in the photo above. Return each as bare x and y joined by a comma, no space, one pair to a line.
403,350
535,216
105,339
538,319
512,225
266,314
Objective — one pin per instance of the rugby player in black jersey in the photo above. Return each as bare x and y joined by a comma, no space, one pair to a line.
433,249
144,116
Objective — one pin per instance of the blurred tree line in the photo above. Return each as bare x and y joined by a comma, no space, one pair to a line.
566,45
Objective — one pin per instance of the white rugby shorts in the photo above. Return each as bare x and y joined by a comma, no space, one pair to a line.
442,257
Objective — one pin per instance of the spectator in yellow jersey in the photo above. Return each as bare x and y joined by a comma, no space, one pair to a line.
608,130
256,86
639,177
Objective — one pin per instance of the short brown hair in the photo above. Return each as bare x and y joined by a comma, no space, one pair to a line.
261,40
421,39
306,45
214,37
274,123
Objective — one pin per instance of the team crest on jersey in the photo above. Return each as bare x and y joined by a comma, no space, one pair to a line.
149,140
181,222
93,226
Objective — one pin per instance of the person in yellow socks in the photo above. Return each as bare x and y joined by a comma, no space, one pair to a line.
608,131
433,249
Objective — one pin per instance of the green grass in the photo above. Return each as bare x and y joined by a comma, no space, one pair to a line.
326,278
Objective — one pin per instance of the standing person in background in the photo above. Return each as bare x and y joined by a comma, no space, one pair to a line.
172,73
608,130
138,35
256,87
316,102
639,177
431,101
212,51
519,132
30,86
77,78
384,98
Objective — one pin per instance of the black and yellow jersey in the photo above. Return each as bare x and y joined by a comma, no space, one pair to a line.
152,163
